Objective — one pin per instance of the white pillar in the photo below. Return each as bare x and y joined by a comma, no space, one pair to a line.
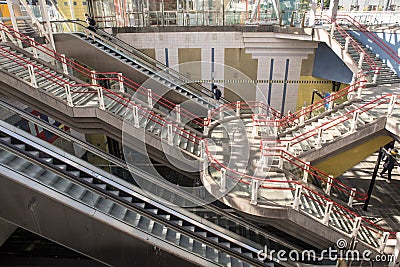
318,142
313,10
391,105
376,72
254,192
346,44
46,19
101,98
238,108
329,185
383,241
93,76
34,49
149,98
64,64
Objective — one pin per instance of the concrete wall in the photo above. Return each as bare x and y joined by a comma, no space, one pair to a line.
242,63
327,65
392,40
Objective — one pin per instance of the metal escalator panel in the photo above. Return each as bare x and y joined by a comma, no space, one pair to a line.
99,193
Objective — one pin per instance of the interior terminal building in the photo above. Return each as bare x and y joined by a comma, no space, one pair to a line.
117,150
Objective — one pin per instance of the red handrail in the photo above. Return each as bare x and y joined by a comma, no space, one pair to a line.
86,72
378,41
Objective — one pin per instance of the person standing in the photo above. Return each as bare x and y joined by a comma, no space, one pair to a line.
90,22
389,164
217,92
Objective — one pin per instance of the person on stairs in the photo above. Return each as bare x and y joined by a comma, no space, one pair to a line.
389,164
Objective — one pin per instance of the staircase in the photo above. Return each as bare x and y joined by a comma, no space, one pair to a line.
53,84
370,63
83,183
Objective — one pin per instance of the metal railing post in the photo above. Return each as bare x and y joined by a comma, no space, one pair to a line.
356,227
149,98
32,76
391,105
354,121
64,64
69,96
331,101
329,185
2,34
135,111
254,192
376,73
318,142
177,110
305,171
238,108
346,45
360,62
121,82
93,76
383,241
223,180
332,29
170,135
34,49
101,98
351,197
302,116
297,196
328,210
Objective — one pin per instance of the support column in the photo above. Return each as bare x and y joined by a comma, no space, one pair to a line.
313,11
45,16
333,9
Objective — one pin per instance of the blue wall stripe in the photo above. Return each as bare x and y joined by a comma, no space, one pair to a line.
285,86
166,57
271,71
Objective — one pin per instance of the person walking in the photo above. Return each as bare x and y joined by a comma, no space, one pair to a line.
389,164
90,22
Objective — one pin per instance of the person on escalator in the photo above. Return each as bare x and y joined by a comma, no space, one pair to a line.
90,22
217,92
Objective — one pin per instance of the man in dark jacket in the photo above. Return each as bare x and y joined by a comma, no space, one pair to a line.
389,164
217,92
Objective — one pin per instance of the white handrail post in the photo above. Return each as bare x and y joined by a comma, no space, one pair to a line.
332,30
206,124
238,108
351,197
302,115
354,121
383,241
149,98
356,227
2,33
170,134
34,49
329,185
280,162
318,142
135,111
360,87
69,96
254,191
64,64
360,62
396,254
306,171
331,101
177,109
221,114
101,98
376,73
32,76
205,163
276,127
328,210
391,106
121,82
346,45
93,76
297,196
223,180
